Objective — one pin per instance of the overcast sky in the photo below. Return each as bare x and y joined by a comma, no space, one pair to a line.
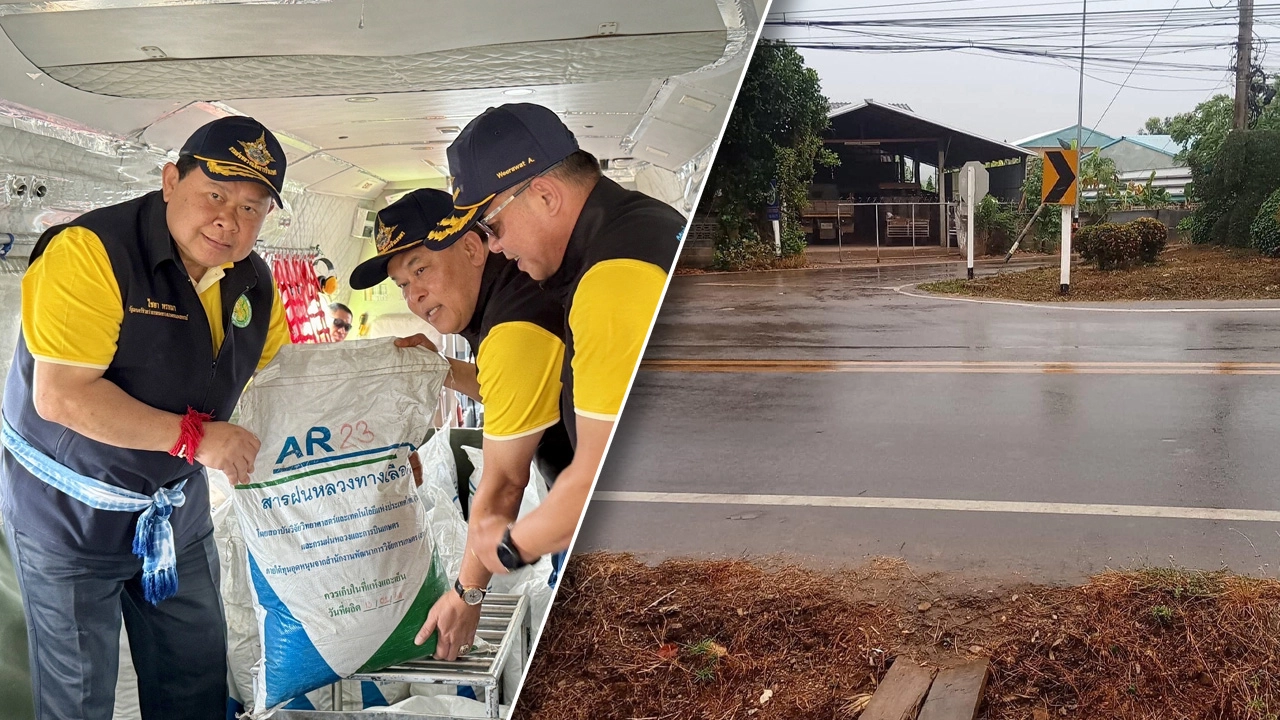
1011,97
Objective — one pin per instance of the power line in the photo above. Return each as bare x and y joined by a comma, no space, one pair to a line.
894,7
1166,45
1135,67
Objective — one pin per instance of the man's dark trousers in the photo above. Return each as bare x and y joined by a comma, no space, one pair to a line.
74,603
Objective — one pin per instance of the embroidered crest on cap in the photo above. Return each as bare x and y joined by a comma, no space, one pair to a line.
256,155
241,312
387,237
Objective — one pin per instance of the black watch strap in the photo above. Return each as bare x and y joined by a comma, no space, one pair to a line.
471,596
508,554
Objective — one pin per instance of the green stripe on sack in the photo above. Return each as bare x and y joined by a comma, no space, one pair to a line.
309,473
399,646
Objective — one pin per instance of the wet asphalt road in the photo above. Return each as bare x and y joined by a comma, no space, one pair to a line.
1163,427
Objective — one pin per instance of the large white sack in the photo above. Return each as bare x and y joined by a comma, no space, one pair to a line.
340,556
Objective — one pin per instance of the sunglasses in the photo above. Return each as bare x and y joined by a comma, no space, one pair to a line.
486,223
341,325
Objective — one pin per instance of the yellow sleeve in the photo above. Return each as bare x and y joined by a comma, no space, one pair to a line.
71,303
612,309
519,367
278,331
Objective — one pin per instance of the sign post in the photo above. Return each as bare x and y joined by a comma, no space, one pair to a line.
1060,186
773,213
968,236
975,183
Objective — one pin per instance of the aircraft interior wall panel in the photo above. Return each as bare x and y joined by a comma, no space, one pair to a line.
556,62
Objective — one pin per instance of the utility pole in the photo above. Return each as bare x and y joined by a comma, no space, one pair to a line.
1244,63
1084,14
1069,211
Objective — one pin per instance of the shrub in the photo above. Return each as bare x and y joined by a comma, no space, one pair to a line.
1244,175
997,223
1264,233
1152,237
748,253
1201,223
1085,242
1110,245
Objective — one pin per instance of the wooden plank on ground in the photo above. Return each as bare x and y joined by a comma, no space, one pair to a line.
900,693
957,692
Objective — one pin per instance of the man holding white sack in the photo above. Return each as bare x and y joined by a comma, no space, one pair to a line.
515,330
141,325
602,251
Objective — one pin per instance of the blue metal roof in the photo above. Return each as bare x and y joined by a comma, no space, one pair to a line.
1090,138
1160,143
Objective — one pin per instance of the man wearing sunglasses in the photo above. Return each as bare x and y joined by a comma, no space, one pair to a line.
603,251
341,323
516,331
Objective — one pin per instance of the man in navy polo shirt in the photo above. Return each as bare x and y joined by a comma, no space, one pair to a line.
603,251
517,333
141,324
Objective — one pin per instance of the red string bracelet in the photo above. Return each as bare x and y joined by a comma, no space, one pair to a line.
190,433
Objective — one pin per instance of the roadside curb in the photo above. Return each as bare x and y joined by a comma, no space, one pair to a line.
1101,306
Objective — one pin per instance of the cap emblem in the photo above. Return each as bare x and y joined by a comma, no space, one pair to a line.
256,155
387,237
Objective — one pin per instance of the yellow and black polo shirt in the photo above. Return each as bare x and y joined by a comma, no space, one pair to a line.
610,283
110,292
72,305
517,334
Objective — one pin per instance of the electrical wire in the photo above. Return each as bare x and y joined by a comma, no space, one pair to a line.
1169,47
1135,67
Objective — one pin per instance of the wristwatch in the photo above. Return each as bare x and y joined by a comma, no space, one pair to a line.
470,595
508,554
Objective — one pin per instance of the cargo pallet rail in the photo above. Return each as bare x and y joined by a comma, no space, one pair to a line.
504,626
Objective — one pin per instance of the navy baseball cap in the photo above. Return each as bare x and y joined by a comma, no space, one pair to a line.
501,148
239,148
400,226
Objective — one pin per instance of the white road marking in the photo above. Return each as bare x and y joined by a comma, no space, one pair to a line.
890,503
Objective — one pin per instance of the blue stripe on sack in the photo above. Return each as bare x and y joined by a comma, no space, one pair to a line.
293,666
371,695
361,453
300,703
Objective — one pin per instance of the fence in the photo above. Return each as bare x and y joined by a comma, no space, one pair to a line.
904,228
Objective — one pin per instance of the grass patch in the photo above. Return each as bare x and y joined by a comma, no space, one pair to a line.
1181,273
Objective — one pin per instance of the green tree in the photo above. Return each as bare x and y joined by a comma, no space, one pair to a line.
774,132
1098,176
1156,126
1202,131
1244,175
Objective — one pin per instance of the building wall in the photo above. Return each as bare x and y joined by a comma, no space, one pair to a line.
1006,182
700,243
1131,157
1169,216
1041,148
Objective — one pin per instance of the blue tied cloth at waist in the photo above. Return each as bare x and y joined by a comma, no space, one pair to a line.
153,538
